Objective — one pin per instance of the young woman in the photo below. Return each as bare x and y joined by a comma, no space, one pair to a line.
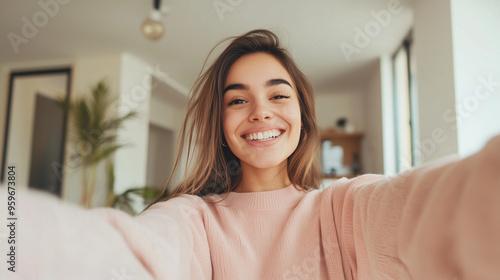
249,207
252,210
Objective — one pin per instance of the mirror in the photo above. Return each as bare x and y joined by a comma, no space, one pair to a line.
35,127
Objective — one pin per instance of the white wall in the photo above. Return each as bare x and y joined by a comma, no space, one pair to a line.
135,94
331,106
433,49
457,55
165,114
476,55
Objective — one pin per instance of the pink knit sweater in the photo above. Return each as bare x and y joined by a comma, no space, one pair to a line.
440,221
281,234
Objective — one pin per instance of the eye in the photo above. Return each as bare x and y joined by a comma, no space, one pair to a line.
281,96
237,101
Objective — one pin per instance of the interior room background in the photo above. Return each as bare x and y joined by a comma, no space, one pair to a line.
413,80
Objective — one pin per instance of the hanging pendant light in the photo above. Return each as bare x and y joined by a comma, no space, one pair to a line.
152,27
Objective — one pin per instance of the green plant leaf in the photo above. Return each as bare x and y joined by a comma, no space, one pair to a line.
82,118
147,193
105,152
110,172
108,139
116,123
100,104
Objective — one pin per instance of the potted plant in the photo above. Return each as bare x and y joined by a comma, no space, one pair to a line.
94,133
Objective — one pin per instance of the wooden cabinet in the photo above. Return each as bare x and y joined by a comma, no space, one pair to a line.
351,145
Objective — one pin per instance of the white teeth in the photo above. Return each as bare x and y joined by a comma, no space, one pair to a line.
263,135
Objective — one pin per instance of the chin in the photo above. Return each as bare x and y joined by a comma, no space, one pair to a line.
266,164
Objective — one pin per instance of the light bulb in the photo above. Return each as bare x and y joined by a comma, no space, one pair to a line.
152,28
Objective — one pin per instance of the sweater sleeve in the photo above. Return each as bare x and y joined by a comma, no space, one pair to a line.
51,239
440,221
182,218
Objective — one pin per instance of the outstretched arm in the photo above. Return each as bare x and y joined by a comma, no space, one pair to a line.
55,240
441,221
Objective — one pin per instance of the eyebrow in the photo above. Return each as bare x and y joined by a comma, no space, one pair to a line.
270,83
274,82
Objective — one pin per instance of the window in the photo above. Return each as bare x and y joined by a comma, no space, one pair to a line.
404,107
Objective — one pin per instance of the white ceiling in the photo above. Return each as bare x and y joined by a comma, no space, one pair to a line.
313,31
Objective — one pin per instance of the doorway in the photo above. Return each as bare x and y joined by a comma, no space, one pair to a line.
160,156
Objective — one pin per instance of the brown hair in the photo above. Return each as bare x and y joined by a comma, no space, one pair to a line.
213,168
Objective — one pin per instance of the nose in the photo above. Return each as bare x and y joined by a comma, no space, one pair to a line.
260,112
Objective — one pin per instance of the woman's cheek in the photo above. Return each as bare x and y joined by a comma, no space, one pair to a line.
292,113
229,123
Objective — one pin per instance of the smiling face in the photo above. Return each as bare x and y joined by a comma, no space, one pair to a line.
261,118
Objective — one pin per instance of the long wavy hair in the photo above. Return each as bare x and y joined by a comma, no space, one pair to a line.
210,166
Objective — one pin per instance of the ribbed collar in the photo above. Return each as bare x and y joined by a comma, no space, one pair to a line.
285,198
